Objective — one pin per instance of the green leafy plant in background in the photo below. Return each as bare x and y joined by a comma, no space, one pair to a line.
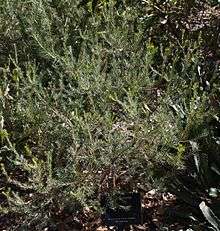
198,185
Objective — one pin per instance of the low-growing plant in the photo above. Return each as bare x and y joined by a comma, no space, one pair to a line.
97,96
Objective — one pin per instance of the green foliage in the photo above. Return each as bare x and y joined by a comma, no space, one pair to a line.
200,183
97,95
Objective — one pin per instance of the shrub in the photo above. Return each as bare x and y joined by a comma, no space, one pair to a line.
96,96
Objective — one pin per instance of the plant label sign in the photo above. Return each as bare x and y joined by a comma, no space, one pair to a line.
122,209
